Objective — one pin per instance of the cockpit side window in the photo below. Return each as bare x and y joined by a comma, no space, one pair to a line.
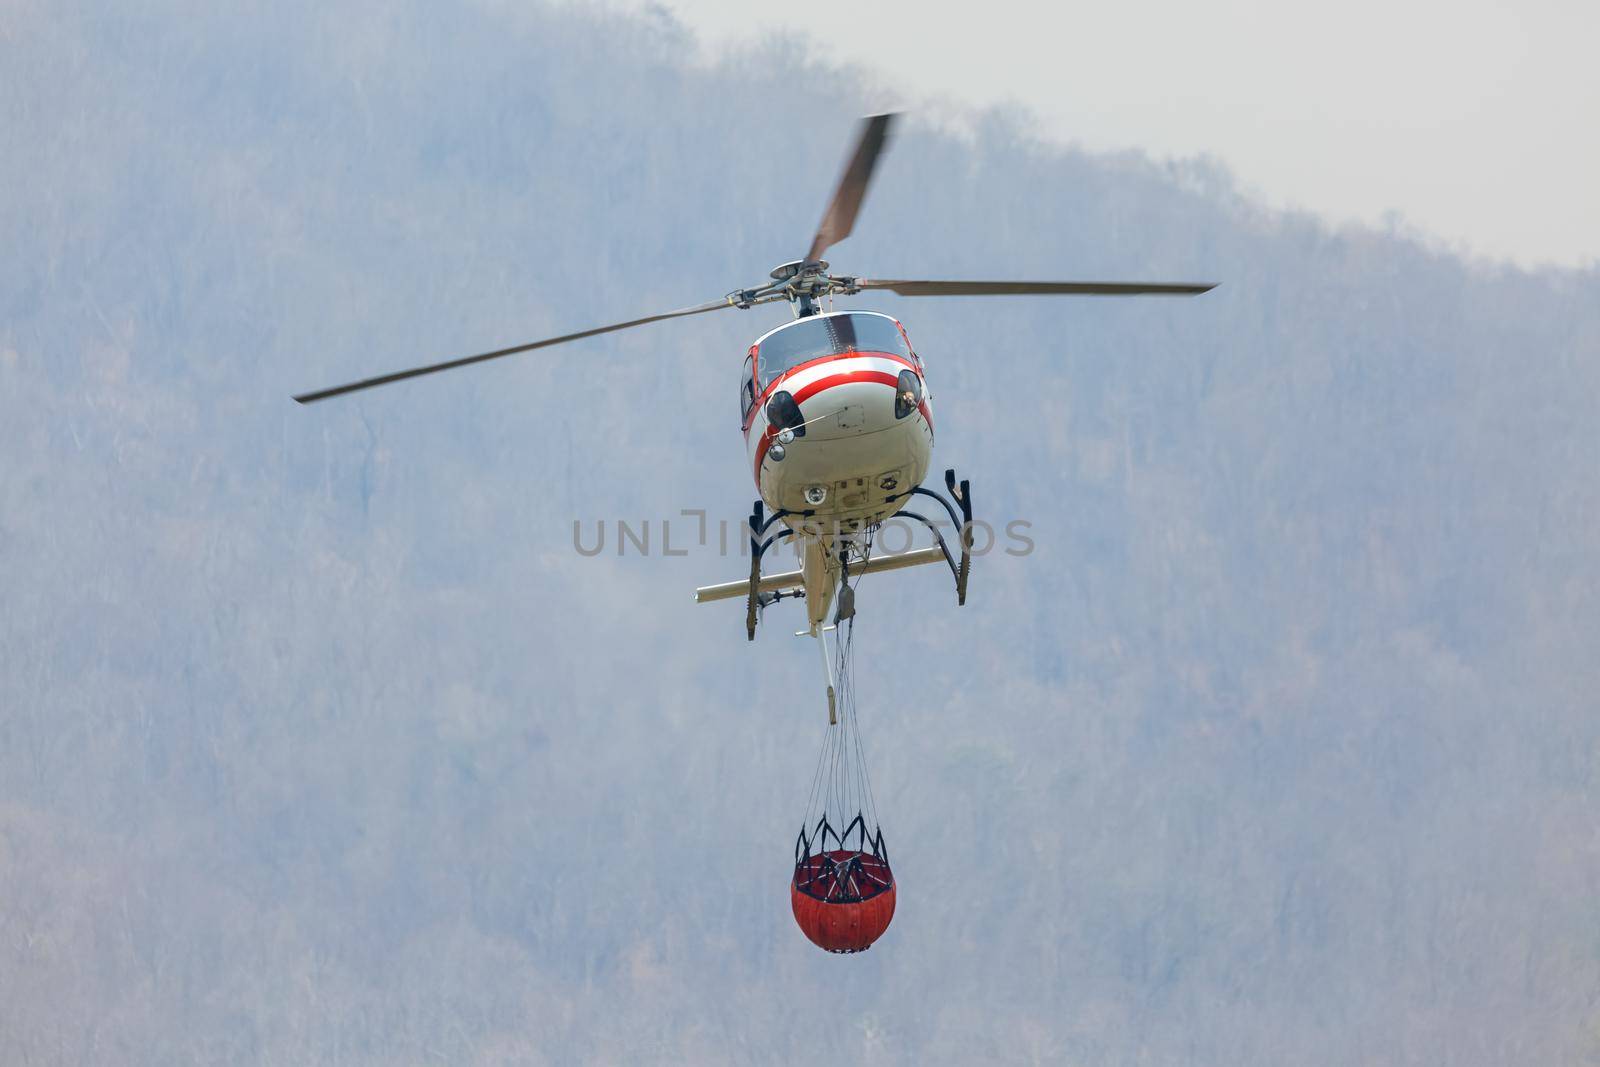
747,386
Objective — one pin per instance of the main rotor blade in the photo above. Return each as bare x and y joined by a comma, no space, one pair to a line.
840,218
432,368
932,288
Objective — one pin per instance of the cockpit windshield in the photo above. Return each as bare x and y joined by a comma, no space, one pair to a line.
827,335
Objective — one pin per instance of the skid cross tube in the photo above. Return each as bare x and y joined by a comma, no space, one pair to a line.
962,493
937,536
917,490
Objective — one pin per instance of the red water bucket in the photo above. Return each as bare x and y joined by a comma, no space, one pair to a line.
842,899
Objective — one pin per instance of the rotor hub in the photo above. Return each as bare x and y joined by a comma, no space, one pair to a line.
796,267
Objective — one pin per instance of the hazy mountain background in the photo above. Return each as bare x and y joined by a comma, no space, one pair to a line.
319,744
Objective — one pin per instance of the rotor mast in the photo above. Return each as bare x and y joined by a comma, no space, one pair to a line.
802,282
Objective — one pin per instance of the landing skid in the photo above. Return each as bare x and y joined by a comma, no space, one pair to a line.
958,506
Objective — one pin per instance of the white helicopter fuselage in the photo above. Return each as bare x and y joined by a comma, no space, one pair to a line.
838,427
865,423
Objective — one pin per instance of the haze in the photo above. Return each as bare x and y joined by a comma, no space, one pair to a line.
1472,120
321,744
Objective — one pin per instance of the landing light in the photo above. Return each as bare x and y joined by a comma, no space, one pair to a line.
816,494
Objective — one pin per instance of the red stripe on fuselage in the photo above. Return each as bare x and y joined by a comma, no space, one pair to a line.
776,383
822,385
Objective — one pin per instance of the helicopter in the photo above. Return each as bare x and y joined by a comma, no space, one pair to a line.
836,415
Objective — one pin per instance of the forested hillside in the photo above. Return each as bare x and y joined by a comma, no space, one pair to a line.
320,743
